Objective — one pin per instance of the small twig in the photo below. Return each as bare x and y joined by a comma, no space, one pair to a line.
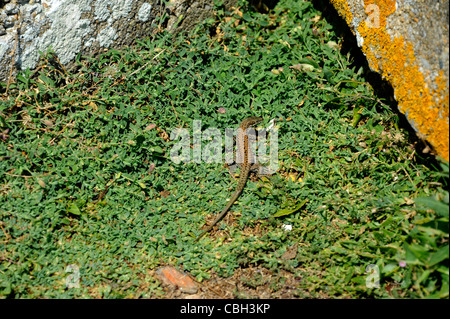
59,62
132,73
174,110
105,190
6,234
24,176
56,70
37,104
215,292
59,133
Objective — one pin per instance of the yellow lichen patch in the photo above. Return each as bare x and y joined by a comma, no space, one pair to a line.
384,9
343,9
426,108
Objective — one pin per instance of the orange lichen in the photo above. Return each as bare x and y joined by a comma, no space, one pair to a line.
343,9
425,107
385,8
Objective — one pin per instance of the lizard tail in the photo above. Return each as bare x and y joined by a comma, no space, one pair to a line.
221,215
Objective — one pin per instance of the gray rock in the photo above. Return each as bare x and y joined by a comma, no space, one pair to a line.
11,8
406,41
71,27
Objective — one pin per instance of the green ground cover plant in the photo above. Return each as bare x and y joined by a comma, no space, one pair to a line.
88,189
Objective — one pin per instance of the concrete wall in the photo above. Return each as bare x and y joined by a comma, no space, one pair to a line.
86,26
407,42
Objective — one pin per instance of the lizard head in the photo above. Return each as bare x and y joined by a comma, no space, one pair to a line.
252,120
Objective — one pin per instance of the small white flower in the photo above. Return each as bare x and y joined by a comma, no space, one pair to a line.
287,227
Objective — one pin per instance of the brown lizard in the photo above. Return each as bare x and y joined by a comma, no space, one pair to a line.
243,148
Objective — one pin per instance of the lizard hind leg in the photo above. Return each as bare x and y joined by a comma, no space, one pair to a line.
232,169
